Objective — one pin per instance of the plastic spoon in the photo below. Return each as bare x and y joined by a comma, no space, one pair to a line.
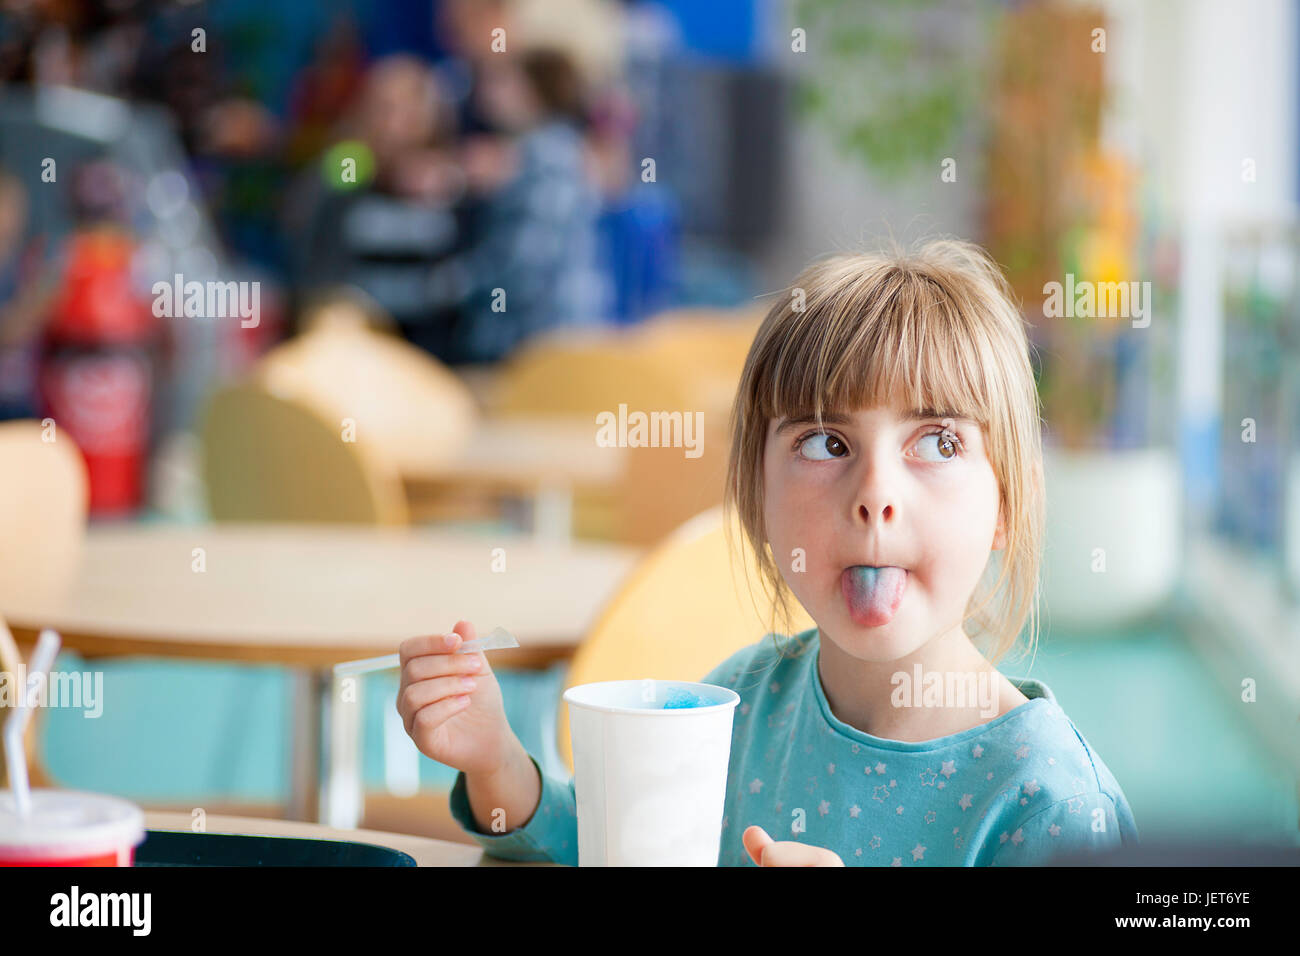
498,638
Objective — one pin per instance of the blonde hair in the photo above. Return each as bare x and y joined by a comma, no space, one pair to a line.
935,329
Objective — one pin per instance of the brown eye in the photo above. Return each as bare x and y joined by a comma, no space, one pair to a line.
946,443
823,445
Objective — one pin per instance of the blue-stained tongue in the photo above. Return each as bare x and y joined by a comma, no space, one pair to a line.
872,594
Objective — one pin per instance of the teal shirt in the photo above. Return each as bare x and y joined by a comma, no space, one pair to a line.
1011,792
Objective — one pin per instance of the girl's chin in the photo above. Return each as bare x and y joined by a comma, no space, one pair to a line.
875,645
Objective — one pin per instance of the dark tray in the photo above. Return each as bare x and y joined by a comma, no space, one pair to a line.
172,848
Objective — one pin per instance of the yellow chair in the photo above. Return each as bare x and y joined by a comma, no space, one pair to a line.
44,498
714,342
571,373
682,612
271,458
688,362
407,407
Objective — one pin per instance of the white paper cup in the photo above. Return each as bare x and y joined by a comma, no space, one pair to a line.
650,782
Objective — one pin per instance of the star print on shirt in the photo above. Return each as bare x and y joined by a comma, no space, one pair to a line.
875,843
948,769
755,785
964,802
880,769
900,809
1074,804
1022,751
1018,837
898,861
929,816
978,750
1032,787
928,777
918,852
880,793
1054,830
823,808
830,768
854,811
858,852
744,708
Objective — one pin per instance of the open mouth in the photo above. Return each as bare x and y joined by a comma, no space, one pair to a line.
873,594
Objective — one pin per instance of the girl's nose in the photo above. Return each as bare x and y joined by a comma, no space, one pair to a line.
875,503
870,515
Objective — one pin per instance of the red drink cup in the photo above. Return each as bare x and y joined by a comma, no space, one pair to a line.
70,828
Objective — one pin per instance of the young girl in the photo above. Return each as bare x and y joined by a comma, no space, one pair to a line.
885,444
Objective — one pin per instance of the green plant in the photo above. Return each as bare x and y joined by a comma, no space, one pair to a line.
893,81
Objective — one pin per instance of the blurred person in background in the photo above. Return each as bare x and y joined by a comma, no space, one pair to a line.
26,287
384,232
532,264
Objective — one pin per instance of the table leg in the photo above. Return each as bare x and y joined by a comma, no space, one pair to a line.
553,513
342,795
401,758
304,747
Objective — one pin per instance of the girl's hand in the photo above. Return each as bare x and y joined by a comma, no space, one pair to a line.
457,725
765,851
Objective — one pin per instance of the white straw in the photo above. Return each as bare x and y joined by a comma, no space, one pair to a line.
47,648
499,638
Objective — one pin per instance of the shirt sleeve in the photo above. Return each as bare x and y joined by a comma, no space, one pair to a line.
1079,825
550,835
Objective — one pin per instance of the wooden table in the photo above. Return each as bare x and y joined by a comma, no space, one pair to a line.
424,850
543,460
308,597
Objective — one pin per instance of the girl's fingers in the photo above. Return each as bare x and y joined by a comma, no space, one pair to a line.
755,839
414,647
440,665
765,851
432,715
421,694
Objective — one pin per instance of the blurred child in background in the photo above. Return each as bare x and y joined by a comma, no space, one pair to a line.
532,264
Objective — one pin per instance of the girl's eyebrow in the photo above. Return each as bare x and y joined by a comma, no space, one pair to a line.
835,418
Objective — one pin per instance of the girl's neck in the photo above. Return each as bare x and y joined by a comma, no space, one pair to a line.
862,693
